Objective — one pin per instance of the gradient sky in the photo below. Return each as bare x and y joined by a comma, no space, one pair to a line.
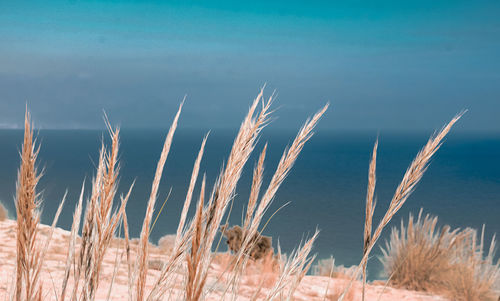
396,65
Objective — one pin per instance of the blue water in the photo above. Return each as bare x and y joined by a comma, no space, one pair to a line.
326,187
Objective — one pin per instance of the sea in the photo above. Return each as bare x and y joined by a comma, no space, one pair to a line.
326,188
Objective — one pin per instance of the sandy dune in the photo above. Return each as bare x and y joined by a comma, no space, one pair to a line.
311,288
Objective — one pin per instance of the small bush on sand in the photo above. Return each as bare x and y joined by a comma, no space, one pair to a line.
4,214
262,245
475,275
166,243
327,267
424,257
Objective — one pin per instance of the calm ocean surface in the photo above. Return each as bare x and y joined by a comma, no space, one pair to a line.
326,187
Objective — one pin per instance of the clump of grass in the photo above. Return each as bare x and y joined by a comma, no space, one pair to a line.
193,241
99,224
30,253
327,268
418,255
412,176
424,257
256,209
475,276
138,277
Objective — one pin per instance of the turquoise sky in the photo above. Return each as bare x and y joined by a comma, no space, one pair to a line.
397,65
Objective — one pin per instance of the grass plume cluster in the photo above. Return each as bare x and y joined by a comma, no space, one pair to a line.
30,252
412,176
105,213
421,256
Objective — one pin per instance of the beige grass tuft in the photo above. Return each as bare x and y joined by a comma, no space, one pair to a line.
28,217
327,268
141,267
191,248
370,209
413,175
100,222
424,257
30,253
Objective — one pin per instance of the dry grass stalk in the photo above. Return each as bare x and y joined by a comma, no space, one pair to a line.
475,275
28,217
189,195
225,185
221,196
141,267
118,258
84,261
327,268
242,148
30,255
412,176
293,270
258,175
100,222
196,281
370,208
45,247
72,243
284,166
330,275
127,253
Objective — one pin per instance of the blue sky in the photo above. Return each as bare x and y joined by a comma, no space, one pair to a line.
395,65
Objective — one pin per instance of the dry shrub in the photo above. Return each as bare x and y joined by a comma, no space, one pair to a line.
418,256
475,274
424,257
261,245
327,268
166,243
4,214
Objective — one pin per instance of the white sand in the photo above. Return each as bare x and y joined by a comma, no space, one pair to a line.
311,288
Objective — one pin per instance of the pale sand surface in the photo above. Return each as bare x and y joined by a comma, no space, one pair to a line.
311,288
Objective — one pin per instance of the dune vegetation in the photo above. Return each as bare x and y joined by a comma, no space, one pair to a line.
101,215
453,262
